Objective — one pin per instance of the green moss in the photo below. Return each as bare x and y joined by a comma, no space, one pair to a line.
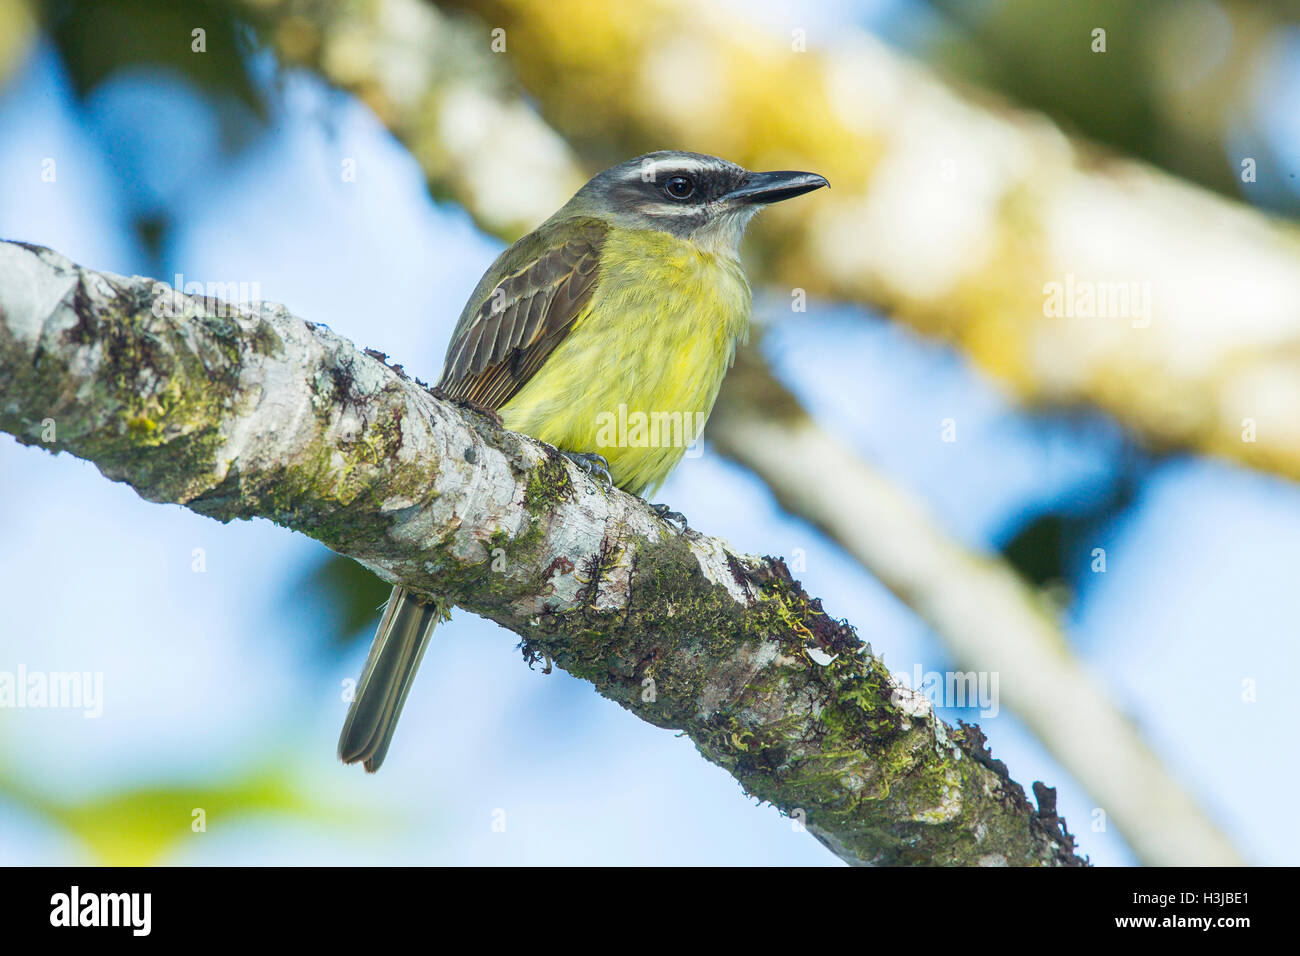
794,732
548,485
874,775
266,341
146,397
141,427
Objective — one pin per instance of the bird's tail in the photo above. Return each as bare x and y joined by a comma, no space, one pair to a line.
399,644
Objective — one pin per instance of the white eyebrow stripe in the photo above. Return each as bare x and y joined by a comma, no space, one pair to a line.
662,167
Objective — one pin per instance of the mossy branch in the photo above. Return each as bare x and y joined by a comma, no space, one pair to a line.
242,412
991,620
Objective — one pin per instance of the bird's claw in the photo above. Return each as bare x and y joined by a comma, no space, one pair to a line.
592,464
667,514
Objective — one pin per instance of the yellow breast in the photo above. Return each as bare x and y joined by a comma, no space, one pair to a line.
636,377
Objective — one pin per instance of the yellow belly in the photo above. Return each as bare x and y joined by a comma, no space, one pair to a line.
636,377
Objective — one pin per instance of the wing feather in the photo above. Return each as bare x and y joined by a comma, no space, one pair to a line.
522,318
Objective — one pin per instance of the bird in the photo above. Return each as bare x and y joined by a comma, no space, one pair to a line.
629,300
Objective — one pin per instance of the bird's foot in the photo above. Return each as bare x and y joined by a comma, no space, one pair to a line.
667,514
594,465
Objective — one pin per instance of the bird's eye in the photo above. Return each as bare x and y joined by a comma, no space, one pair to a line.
680,187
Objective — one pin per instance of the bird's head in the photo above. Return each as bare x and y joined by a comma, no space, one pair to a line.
704,199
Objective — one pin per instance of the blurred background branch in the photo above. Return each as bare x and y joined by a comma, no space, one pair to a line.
953,212
434,82
1173,88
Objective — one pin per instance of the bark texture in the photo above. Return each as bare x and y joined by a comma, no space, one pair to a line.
241,412
990,618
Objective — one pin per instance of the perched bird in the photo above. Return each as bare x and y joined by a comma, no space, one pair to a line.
630,299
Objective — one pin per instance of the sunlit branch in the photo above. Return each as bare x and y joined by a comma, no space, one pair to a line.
247,411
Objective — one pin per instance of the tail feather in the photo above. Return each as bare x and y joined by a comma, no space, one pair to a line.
395,655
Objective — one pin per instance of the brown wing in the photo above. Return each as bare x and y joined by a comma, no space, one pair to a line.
522,319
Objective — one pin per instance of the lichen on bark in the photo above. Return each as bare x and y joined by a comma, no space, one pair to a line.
240,412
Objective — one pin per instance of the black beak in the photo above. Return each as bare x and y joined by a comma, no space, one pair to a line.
773,187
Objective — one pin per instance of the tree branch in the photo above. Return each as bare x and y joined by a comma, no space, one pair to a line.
990,619
241,412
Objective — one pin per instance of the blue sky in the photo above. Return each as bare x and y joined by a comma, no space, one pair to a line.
210,674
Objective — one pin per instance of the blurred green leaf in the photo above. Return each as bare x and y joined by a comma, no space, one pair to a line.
348,593
139,827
